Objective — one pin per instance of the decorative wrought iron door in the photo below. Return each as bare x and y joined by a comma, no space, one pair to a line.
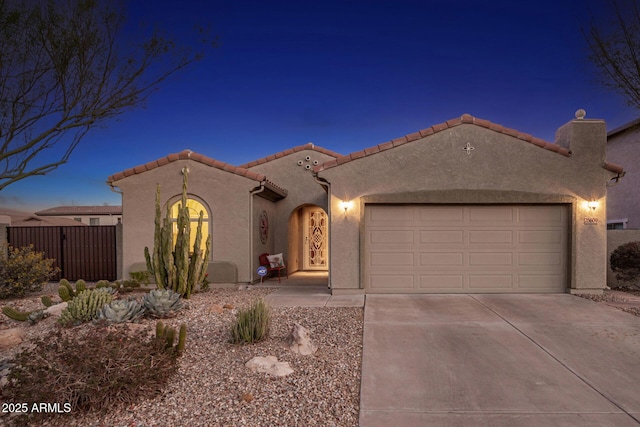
316,240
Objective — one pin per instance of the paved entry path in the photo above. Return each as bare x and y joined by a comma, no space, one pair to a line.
498,360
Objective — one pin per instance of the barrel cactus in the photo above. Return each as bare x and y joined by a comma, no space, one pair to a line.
81,285
162,303
120,311
85,306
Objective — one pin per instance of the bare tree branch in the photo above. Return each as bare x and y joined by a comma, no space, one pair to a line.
615,49
63,72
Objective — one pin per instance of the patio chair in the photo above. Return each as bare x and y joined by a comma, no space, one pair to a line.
276,264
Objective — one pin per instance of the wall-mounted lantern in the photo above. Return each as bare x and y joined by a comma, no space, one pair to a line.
346,205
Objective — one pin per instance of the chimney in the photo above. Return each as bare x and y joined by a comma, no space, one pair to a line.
586,139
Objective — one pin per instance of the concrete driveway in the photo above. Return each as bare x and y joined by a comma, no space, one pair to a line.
498,360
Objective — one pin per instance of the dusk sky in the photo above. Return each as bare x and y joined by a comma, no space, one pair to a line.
344,75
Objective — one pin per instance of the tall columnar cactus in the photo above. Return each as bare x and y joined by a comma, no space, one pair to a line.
172,265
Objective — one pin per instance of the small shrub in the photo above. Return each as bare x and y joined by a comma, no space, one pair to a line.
24,270
252,324
102,370
625,263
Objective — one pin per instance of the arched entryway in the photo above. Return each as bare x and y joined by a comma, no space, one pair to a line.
308,239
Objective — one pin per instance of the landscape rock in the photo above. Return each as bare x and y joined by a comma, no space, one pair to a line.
56,310
269,365
300,342
216,308
10,338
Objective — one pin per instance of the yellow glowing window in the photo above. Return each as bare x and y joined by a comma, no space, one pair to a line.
195,207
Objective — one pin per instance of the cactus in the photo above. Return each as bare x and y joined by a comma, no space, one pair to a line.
81,285
14,314
166,336
120,311
85,306
162,303
171,264
102,284
46,301
182,337
159,330
67,293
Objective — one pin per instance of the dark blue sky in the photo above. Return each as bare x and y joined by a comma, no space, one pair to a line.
343,74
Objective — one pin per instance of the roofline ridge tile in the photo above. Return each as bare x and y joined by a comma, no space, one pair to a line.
289,151
186,155
462,120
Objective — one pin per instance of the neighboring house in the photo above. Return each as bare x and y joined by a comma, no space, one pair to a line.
623,199
89,215
26,219
464,206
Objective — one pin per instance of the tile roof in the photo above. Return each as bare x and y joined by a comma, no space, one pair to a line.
82,210
464,119
307,146
191,155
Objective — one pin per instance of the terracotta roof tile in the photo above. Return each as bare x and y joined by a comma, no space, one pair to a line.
613,167
183,155
464,119
307,146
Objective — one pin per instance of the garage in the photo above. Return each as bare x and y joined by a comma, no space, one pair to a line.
465,248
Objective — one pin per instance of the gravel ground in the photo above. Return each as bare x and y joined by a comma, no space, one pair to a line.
214,388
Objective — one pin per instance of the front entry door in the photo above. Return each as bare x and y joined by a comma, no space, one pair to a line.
315,239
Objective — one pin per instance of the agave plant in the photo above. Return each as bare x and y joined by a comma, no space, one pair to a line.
120,311
162,303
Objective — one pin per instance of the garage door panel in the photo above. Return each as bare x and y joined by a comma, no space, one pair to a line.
540,281
540,236
490,281
389,259
540,215
490,258
491,236
441,281
441,236
498,213
391,236
392,281
540,258
430,259
466,248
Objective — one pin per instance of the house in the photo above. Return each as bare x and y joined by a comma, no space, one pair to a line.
89,215
18,218
623,203
461,207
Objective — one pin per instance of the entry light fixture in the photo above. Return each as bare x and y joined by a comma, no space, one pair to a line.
593,205
346,205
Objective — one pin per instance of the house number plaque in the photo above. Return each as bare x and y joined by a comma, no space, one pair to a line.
591,221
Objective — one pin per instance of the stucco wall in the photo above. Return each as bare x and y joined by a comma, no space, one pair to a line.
623,201
500,169
616,238
224,193
259,205
302,190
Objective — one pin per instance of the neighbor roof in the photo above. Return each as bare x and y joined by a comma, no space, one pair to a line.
307,146
625,127
81,210
22,219
464,119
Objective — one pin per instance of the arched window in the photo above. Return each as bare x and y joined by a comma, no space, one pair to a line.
195,207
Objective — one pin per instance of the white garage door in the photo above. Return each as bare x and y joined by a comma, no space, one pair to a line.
465,248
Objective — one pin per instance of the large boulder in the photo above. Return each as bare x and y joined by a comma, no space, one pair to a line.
55,310
299,341
269,365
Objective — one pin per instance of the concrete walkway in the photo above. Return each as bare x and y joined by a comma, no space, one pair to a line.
498,360
307,289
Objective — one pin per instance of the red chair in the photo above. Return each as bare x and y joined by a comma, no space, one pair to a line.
264,261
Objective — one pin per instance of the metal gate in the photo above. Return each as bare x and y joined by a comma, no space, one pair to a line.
81,252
